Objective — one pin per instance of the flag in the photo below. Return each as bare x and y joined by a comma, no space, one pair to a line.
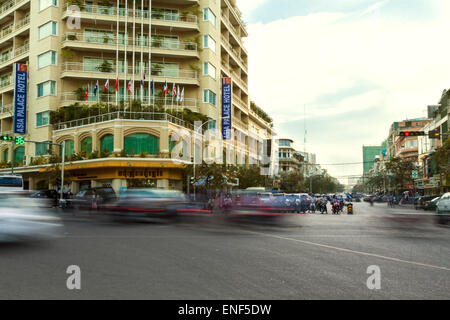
174,91
178,93
143,79
152,87
166,88
95,89
86,93
130,86
117,84
182,95
106,86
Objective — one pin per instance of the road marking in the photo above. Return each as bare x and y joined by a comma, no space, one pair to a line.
352,251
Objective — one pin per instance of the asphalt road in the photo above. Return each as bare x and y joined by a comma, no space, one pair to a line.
298,257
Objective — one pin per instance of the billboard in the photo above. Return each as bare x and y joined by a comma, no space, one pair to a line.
227,92
20,98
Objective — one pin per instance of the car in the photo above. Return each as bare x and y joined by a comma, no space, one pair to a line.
49,198
443,209
24,219
432,204
83,199
145,203
423,202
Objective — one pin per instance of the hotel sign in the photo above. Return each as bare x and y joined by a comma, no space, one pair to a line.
20,98
227,92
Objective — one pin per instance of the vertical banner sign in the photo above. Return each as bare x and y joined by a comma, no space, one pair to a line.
226,108
20,99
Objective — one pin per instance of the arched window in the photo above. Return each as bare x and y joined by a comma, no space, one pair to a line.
69,148
107,143
86,145
141,142
19,154
6,155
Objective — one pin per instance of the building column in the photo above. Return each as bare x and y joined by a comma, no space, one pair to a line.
75,187
117,184
31,183
118,138
162,184
95,142
76,143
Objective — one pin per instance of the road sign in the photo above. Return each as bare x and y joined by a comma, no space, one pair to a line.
415,174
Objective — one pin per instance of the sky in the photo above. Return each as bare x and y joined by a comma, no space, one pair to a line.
346,68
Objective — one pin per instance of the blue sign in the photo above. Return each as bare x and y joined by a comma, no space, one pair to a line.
20,99
227,92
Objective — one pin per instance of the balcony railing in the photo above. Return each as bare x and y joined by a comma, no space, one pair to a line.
6,108
13,27
113,40
123,115
239,80
71,97
6,82
18,52
111,70
8,5
140,14
234,52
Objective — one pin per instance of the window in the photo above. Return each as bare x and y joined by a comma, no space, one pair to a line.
209,70
209,97
19,154
44,4
212,124
42,119
46,59
46,88
41,149
141,142
86,145
209,43
47,29
6,155
208,15
69,148
107,143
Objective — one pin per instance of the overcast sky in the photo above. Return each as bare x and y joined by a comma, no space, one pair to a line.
357,66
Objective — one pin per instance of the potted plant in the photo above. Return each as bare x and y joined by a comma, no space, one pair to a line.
105,6
157,41
106,38
106,66
72,37
157,13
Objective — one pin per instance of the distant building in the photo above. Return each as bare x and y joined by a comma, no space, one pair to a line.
369,154
289,159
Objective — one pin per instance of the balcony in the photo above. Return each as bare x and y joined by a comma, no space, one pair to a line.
8,6
110,14
6,111
85,70
14,27
6,84
70,98
234,54
240,104
122,115
234,32
19,52
104,43
239,124
238,79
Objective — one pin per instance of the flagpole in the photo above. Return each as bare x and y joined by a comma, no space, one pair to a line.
134,45
150,53
117,54
125,93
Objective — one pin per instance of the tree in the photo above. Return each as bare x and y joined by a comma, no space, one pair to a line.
400,170
291,182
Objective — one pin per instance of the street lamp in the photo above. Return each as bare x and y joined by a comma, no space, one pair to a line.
195,133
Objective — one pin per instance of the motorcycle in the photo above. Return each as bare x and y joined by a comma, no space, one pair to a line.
336,208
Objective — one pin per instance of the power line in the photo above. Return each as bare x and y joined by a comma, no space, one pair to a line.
343,164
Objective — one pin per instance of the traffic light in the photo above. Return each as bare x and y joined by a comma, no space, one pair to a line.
411,133
19,141
434,134
6,138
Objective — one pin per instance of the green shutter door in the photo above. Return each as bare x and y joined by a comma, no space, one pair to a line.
107,143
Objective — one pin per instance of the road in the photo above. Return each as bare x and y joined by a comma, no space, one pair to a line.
299,257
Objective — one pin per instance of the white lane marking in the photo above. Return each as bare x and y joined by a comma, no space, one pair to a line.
352,251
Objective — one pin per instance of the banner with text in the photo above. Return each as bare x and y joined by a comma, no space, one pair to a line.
20,99
227,92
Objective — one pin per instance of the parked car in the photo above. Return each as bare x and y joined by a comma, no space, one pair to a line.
432,204
83,199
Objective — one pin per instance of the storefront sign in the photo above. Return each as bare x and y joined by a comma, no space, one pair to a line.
227,92
20,99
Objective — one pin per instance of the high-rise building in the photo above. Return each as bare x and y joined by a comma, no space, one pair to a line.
369,154
76,50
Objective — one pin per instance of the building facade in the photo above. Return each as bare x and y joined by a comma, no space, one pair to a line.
289,160
169,57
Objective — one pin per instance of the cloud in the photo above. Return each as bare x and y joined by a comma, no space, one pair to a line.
297,61
374,7
247,6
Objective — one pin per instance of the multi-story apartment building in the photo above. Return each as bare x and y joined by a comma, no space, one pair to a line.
289,160
73,48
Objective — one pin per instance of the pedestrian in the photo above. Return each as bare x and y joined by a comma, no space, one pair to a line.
94,201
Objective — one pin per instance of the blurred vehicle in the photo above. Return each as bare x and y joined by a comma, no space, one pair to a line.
48,197
143,203
11,182
22,218
443,209
83,199
423,202
282,200
433,204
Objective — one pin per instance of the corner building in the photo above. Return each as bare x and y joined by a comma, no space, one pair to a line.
70,46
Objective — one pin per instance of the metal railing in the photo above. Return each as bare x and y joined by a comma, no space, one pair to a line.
13,27
72,97
123,115
234,52
111,69
21,23
239,80
6,82
6,108
140,14
18,52
113,40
